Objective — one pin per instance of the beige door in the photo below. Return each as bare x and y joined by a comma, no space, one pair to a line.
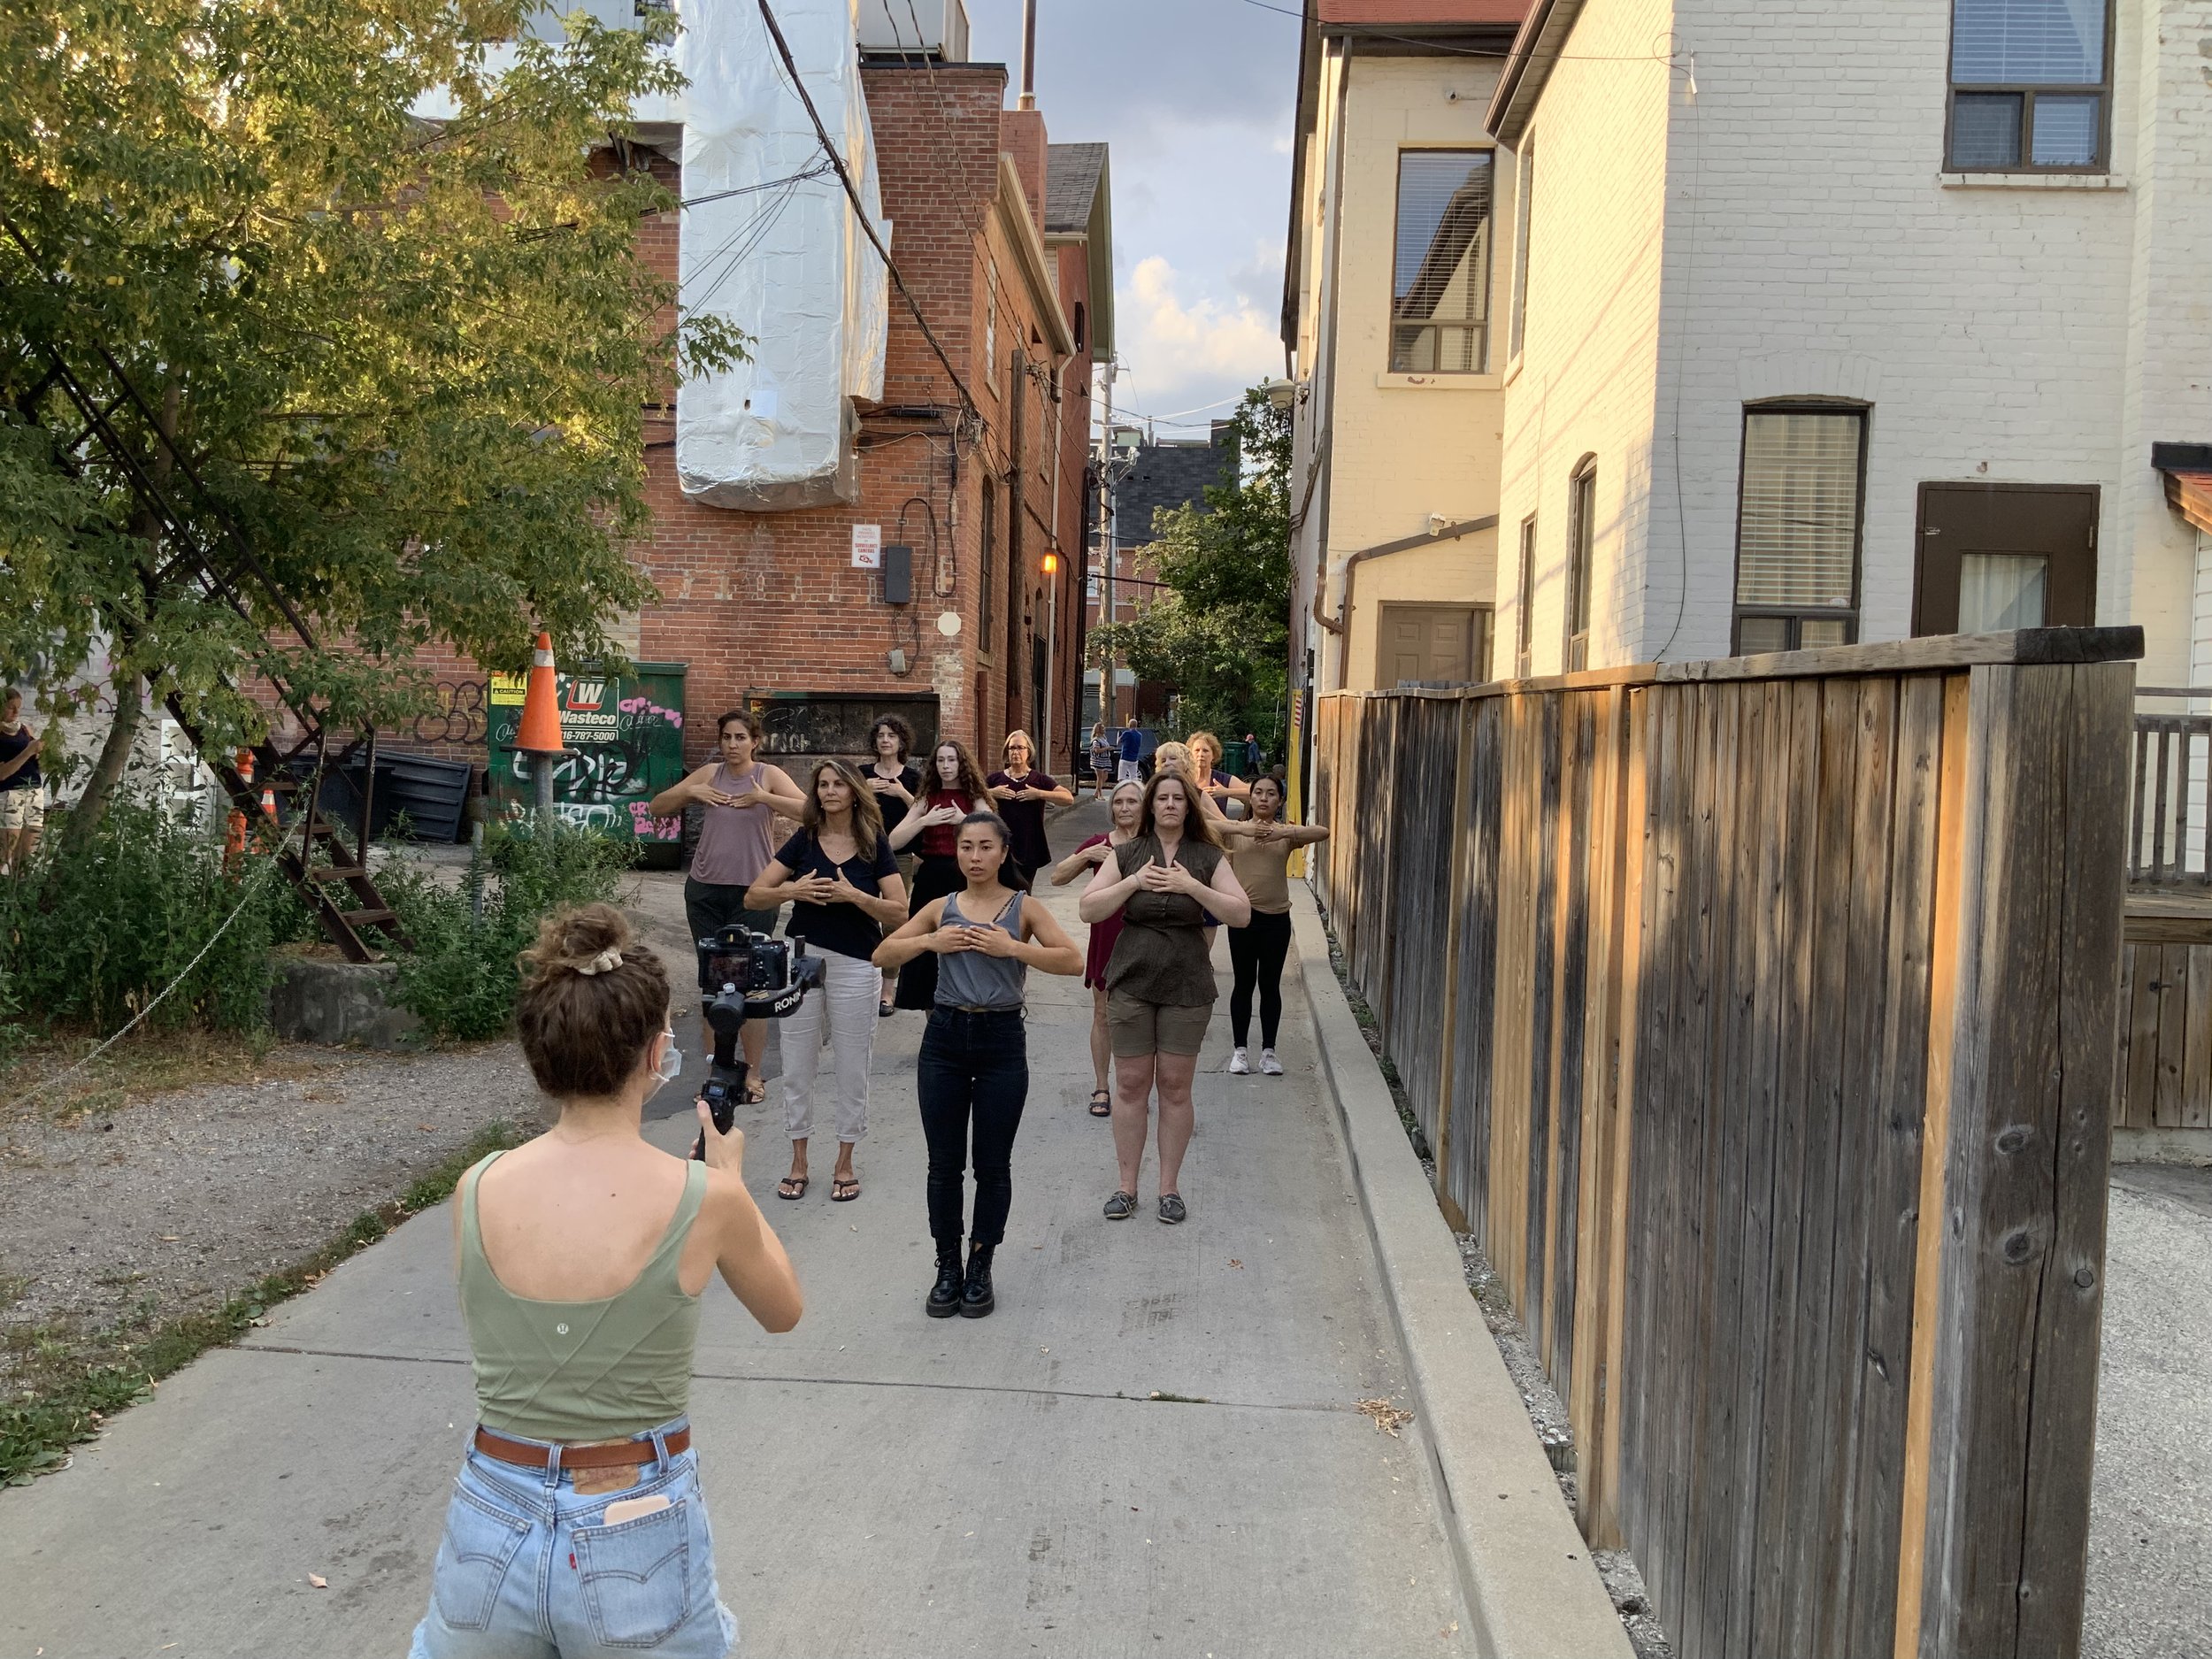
1450,642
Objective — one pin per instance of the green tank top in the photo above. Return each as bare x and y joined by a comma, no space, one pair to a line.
581,1370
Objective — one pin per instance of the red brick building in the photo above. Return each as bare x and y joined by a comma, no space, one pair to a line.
1001,238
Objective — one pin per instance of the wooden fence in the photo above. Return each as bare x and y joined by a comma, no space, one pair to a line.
1706,981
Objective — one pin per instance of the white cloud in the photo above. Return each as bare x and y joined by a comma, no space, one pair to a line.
1183,351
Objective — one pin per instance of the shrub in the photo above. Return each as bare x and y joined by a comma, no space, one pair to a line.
93,930
461,980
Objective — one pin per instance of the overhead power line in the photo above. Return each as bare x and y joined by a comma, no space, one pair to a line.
852,194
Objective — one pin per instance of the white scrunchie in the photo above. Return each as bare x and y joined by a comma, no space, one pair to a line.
607,959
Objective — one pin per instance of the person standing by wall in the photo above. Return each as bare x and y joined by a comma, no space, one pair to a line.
973,1073
844,888
895,784
582,1257
1127,807
933,827
1022,794
1166,882
742,794
22,788
1132,749
1259,852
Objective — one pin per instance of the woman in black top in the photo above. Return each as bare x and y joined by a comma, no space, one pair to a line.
1023,795
896,786
844,885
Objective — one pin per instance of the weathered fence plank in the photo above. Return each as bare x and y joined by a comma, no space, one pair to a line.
1708,983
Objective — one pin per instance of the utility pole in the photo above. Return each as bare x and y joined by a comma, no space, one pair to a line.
1107,506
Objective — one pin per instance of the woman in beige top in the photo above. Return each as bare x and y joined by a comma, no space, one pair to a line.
1259,851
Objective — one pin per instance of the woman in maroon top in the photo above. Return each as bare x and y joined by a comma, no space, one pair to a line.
1127,807
932,827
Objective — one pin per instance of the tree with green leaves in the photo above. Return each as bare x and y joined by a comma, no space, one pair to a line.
1218,635
364,269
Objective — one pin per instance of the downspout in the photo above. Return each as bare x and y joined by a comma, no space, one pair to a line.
1341,625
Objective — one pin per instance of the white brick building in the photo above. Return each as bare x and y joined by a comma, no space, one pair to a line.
1854,323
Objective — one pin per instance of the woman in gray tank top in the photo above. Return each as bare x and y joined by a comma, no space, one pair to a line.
973,1073
742,794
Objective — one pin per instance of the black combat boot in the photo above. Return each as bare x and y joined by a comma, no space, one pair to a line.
944,1295
976,1300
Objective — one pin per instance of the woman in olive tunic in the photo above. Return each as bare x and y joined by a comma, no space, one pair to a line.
1167,882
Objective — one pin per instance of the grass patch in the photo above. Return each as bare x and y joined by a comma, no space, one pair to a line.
71,1382
143,1065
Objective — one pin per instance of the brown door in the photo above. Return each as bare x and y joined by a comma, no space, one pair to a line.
1430,642
1997,557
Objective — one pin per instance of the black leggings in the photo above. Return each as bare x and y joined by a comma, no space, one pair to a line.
972,1077
1257,954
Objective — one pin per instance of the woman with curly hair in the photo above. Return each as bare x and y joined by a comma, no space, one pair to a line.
932,828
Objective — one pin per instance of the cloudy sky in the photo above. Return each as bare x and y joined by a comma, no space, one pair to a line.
1196,97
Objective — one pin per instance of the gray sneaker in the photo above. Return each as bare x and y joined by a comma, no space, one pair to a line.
1121,1206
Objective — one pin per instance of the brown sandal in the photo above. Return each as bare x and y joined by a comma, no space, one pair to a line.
792,1186
844,1188
1102,1103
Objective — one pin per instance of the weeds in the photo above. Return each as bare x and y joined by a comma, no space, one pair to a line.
72,1382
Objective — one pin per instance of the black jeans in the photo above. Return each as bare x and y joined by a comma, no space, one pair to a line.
973,1070
1255,954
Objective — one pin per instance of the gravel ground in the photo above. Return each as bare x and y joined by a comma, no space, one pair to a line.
170,1204
2150,1503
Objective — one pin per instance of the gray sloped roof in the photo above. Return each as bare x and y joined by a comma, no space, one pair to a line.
1072,176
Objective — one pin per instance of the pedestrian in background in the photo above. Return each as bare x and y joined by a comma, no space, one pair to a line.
932,828
895,784
973,1073
1255,757
1165,881
577,1526
1132,748
22,787
742,794
1022,794
1127,807
1226,793
844,888
1102,759
1259,852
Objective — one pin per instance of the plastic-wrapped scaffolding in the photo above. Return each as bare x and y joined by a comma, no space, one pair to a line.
782,255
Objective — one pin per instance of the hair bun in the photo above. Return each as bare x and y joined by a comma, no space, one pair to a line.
587,940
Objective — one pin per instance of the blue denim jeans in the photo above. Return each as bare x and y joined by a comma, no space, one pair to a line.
525,1570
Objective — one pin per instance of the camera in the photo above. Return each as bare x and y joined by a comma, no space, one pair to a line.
750,976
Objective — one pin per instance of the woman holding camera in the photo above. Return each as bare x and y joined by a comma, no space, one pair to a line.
576,1524
932,828
1166,882
742,794
895,784
973,1074
844,886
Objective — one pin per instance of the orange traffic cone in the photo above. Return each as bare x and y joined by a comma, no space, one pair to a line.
540,732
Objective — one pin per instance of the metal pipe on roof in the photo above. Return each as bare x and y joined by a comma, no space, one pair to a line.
1029,55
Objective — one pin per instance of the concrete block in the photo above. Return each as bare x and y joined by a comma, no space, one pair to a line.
312,1000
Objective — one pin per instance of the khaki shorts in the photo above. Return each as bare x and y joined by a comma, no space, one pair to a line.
22,809
1135,1028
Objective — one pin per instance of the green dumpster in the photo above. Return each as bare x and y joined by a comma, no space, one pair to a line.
625,734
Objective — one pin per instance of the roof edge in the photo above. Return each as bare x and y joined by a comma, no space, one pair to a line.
1528,68
1302,123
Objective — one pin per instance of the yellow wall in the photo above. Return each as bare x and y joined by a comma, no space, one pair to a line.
1405,446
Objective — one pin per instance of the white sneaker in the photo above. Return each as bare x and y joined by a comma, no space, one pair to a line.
1268,1063
1239,1066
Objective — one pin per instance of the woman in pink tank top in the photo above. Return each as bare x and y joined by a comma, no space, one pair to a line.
741,795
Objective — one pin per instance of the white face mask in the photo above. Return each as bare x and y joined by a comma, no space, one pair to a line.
672,1064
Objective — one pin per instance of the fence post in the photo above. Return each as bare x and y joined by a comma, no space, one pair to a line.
2021,1036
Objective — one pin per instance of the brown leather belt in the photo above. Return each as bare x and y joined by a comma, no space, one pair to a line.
620,1453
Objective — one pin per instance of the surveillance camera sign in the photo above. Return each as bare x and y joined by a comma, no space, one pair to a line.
867,547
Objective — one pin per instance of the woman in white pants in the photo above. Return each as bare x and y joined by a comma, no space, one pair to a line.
844,881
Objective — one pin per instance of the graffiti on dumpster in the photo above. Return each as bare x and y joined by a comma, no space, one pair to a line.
624,745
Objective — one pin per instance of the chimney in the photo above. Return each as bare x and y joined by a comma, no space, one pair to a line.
1021,135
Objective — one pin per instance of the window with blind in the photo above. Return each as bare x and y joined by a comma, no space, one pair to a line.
2031,85
1523,194
1797,528
1439,290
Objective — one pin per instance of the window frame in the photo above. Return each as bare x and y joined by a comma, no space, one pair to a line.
1796,617
1523,208
985,587
1525,623
2100,163
1582,563
1488,323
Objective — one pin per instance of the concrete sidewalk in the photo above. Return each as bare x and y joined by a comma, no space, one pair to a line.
1153,1447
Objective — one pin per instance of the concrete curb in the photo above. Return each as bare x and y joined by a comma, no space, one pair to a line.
1529,1583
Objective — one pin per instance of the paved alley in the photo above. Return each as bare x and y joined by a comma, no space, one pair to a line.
1154,1447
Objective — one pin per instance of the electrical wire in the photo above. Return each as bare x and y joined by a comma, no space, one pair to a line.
820,169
